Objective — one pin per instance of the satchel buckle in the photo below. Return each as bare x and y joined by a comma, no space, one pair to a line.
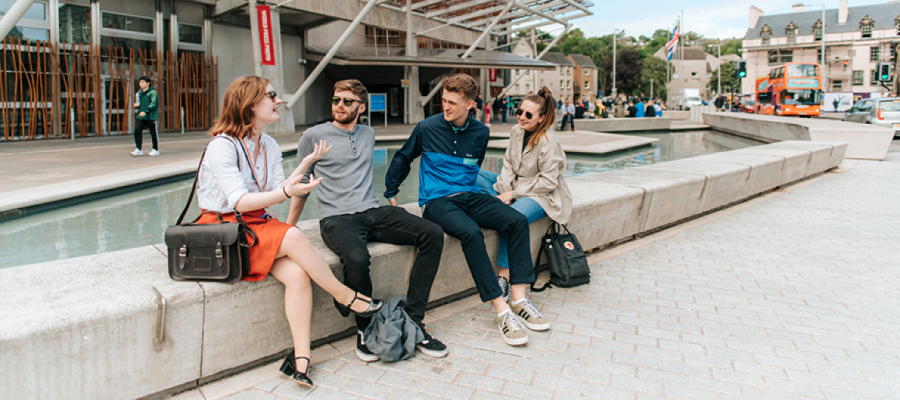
182,256
220,261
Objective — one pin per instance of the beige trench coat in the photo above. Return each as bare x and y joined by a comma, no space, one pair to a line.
537,174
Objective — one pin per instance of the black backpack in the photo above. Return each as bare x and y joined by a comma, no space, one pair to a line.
565,259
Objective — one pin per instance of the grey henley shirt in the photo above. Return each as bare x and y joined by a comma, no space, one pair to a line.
346,170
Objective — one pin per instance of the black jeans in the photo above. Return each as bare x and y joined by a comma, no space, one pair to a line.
139,125
463,215
346,235
567,118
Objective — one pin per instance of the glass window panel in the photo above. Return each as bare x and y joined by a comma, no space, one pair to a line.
126,44
127,23
29,35
37,11
857,77
874,53
74,24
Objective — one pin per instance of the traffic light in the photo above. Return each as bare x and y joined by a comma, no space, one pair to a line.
885,72
740,70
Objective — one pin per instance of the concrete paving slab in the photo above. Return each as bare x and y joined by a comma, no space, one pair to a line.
585,142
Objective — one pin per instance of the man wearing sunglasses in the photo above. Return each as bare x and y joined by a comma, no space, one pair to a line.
350,217
452,146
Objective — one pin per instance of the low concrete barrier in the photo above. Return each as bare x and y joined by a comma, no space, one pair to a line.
863,141
623,124
677,115
696,112
90,327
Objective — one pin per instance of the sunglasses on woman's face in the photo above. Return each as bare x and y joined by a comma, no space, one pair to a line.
528,114
347,102
272,95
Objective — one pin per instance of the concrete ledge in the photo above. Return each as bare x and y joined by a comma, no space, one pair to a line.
863,141
86,327
623,124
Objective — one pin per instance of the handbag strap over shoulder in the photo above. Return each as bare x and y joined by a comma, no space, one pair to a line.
197,178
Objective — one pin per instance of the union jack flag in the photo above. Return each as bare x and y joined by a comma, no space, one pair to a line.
671,44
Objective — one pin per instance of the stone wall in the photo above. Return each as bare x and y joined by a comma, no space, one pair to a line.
609,125
88,327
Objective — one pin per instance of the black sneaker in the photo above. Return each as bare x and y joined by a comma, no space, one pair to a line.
430,346
362,352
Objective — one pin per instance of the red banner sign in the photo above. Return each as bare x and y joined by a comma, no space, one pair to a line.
267,43
492,74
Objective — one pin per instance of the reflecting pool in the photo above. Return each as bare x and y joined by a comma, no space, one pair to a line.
140,217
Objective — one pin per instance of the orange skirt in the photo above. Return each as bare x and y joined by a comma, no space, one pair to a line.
268,230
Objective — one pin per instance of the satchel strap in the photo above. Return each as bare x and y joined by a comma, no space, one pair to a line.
197,178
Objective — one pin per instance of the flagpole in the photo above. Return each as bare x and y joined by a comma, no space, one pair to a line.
681,64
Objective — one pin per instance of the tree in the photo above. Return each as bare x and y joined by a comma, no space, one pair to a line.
541,35
730,46
728,78
629,69
654,68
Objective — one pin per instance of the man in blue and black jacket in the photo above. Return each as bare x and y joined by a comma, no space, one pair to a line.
452,146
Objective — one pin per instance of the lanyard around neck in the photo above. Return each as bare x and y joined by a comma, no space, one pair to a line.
253,167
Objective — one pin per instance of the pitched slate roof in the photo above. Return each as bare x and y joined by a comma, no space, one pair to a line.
883,14
690,53
557,58
583,61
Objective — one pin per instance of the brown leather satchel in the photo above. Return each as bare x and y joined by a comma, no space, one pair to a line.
208,252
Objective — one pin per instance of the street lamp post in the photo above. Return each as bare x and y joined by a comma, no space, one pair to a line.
651,88
719,56
615,39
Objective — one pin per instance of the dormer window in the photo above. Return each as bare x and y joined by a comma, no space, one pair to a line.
791,33
817,30
765,33
866,25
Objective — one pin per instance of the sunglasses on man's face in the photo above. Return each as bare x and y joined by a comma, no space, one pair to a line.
272,95
528,114
347,102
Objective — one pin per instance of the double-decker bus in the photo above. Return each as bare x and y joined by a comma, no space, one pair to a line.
790,89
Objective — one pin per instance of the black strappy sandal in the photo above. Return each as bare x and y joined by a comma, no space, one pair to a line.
375,306
289,368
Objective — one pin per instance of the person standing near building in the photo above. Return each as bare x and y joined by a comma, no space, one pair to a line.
452,147
504,106
147,106
479,108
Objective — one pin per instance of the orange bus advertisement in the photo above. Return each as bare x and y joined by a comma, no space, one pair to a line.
790,89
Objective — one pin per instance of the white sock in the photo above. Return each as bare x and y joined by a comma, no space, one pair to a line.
507,311
517,302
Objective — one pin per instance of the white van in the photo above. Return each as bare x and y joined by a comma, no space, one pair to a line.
692,97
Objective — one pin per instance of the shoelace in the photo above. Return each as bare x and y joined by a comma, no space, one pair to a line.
511,321
531,309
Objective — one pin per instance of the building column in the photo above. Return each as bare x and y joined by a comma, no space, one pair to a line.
414,112
275,74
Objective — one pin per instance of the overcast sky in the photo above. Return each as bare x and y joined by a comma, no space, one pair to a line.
710,18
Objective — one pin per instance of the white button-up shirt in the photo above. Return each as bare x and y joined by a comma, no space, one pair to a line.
225,173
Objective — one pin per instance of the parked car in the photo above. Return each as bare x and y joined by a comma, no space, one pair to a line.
881,111
749,106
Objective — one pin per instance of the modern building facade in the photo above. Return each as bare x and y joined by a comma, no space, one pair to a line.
71,66
856,39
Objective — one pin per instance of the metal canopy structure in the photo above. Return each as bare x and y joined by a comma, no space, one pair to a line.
428,58
478,14
489,17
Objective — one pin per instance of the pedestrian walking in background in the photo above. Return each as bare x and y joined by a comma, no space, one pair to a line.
504,106
720,102
487,115
479,108
147,106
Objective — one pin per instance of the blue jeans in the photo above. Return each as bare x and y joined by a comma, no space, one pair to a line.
524,205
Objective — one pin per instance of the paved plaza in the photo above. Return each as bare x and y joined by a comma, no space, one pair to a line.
795,295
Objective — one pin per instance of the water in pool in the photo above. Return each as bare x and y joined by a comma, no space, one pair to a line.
140,217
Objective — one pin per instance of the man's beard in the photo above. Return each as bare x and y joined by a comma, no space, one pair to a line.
349,116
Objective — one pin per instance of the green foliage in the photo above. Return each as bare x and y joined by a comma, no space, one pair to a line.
730,46
629,71
541,35
729,79
654,68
